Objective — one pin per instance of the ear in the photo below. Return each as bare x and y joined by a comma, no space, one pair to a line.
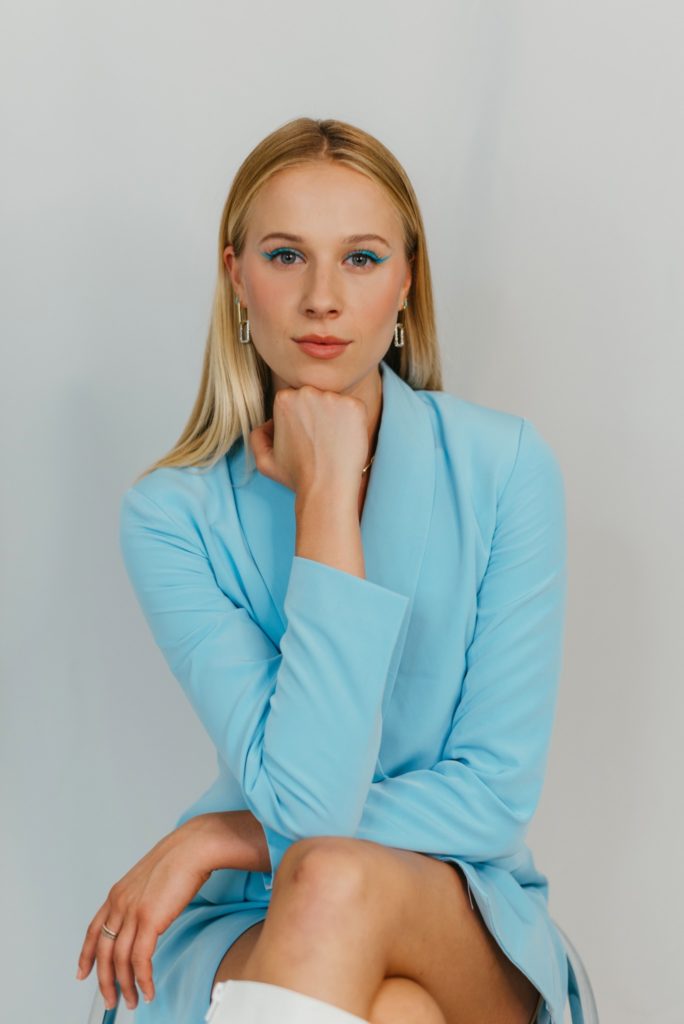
407,285
232,265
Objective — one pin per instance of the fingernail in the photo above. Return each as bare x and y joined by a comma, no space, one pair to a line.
79,974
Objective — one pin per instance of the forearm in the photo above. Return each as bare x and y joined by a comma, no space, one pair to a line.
328,529
232,839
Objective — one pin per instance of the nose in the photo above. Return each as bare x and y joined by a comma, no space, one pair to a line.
321,296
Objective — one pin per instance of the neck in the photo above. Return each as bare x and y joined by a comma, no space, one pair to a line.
374,407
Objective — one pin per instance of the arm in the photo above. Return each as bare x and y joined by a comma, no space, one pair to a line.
477,800
230,839
299,726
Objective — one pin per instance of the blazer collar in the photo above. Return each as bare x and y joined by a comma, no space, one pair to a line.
396,512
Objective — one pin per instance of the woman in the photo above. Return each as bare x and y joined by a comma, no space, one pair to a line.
367,618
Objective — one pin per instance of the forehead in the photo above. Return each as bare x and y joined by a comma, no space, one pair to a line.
323,201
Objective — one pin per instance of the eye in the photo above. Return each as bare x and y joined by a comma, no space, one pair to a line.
365,254
280,252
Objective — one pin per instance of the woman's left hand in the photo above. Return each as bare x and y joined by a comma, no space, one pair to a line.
140,906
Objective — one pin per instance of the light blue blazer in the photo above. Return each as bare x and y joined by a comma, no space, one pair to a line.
414,707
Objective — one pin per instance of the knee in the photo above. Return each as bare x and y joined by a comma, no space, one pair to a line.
404,1001
331,868
321,890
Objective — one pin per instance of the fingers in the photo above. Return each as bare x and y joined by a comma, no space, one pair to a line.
127,959
122,959
261,442
121,956
105,966
141,956
87,954
261,439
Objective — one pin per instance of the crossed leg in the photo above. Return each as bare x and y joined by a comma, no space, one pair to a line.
387,934
398,1000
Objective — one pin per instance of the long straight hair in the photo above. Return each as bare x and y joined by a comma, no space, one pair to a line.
235,392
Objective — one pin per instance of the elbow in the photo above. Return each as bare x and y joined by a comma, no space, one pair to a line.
305,822
299,813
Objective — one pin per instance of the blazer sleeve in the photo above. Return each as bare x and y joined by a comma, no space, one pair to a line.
476,802
299,726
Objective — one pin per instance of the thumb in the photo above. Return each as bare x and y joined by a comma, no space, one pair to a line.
261,443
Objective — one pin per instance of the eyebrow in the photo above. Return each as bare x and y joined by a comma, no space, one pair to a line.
351,239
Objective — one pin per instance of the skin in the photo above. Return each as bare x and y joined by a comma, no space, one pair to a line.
326,413
382,933
322,290
387,934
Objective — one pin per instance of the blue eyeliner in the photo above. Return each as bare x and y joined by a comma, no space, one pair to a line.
357,252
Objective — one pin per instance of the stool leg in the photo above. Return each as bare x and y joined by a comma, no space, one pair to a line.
260,1002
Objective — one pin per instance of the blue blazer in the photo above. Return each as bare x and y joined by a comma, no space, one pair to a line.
414,707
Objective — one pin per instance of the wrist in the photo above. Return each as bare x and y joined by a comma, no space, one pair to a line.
334,498
229,839
328,529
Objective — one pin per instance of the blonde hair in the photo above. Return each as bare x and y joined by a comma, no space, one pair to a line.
235,388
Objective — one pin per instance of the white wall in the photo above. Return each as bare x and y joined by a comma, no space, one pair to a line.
545,143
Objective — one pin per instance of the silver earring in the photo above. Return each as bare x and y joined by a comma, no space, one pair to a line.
243,334
399,330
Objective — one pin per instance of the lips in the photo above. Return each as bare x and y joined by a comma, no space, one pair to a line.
323,339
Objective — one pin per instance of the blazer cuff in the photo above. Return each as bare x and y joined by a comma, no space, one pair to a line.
324,588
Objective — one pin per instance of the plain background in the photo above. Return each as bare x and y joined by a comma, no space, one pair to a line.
544,141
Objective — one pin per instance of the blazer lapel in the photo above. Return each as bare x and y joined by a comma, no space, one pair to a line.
396,513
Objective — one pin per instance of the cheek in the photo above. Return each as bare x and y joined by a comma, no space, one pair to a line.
268,294
378,305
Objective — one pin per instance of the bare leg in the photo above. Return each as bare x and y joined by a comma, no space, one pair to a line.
397,1001
315,941
347,915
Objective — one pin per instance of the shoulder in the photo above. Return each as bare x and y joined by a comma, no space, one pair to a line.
186,496
488,445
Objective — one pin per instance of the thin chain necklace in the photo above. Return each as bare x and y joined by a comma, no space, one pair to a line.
371,459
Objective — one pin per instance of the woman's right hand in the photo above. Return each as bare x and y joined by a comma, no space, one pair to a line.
315,438
142,905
